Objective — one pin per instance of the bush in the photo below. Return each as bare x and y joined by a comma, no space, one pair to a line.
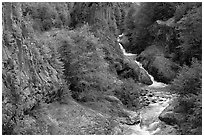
189,28
46,16
86,70
188,80
140,18
128,93
188,85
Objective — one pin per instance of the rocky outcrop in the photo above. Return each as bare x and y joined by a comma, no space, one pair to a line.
136,72
144,77
172,115
160,67
170,22
123,39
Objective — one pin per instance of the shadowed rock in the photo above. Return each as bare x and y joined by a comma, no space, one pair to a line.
172,114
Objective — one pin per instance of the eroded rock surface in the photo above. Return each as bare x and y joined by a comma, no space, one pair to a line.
172,115
155,62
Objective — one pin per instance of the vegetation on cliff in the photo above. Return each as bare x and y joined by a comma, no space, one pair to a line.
168,39
51,53
64,57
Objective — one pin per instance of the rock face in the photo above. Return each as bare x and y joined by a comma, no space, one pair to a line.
123,39
129,69
160,67
172,115
144,77
138,73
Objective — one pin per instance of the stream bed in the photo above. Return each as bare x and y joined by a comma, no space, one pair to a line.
158,99
149,121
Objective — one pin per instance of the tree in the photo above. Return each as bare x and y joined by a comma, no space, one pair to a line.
140,18
188,85
189,28
32,70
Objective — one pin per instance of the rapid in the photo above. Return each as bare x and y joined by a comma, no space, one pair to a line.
149,121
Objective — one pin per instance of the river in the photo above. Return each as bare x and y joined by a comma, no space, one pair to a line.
149,121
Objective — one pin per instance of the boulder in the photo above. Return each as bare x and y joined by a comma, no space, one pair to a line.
154,101
132,69
147,103
132,118
150,95
144,77
142,94
168,117
171,116
161,100
123,39
113,99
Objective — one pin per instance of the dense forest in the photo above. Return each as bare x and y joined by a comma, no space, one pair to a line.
63,71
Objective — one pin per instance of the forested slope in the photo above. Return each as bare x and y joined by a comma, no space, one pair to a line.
59,51
63,71
168,40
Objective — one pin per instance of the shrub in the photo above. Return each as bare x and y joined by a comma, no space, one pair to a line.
188,80
46,16
86,70
189,28
140,18
128,93
188,86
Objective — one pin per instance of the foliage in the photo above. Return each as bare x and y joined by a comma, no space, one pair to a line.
164,69
89,63
138,20
47,15
43,59
164,37
188,85
163,10
86,70
128,93
182,38
190,34
32,71
123,7
188,80
98,14
183,7
36,73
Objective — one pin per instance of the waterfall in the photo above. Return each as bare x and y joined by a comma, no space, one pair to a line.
155,83
150,112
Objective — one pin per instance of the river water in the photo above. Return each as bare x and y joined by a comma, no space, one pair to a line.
155,83
149,122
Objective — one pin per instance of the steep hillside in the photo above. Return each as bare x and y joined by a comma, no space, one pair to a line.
47,60
65,72
167,36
